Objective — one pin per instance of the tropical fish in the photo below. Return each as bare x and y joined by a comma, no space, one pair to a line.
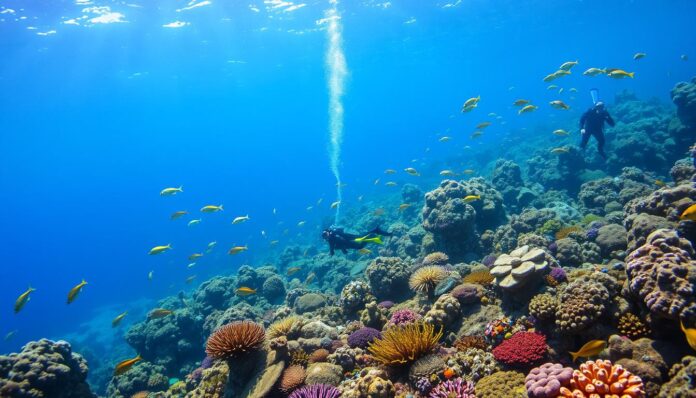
378,211
160,249
245,291
469,108
274,242
10,335
301,223
75,291
638,56
560,150
568,65
483,125
562,72
212,244
552,87
521,102
573,90
492,114
471,102
560,133
125,366
309,208
335,204
527,109
364,251
178,214
190,279
690,334
468,171
620,74
195,256
237,250
376,182
389,171
158,313
150,275
550,77
171,191
118,319
594,72
590,349
476,134
191,265
240,219
412,171
23,299
558,104
194,222
391,184
211,209
560,90
310,278
293,270
404,206
447,173
660,183
689,213
445,139
471,198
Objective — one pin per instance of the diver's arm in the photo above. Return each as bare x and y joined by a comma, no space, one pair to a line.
583,118
608,118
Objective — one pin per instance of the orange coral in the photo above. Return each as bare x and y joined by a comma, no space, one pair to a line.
565,231
425,279
602,379
235,339
140,394
480,277
319,355
551,281
404,344
292,378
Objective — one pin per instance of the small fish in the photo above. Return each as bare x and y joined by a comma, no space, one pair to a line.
301,223
391,184
550,77
527,109
594,72
360,198
590,349
684,57
660,183
521,102
562,72
309,208
364,251
476,134
178,214
558,104
293,270
573,90
118,319
560,133
158,313
560,150
445,139
10,335
447,173
237,250
195,256
275,211
469,108
335,204
319,201
194,222
212,244
690,334
190,279
23,299
560,90
125,366
160,249
171,191
404,206
273,242
389,171
310,278
552,87
245,291
638,56
412,171
469,171
306,252
75,291
341,185
191,265
379,211
376,182
492,114
620,74
688,214
211,209
568,65
471,102
471,198
150,275
482,125
240,219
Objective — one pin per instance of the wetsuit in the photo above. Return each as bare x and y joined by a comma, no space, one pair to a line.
593,123
341,240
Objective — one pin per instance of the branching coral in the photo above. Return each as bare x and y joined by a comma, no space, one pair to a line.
601,378
235,339
404,344
424,279
522,349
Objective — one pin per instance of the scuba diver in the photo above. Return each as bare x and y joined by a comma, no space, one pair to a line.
341,240
592,124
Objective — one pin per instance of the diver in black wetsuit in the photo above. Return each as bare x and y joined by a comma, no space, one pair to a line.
592,124
341,240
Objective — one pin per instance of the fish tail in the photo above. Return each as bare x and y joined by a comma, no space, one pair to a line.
574,355
181,188
631,74
221,209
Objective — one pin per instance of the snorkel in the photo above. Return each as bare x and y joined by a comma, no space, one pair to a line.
595,95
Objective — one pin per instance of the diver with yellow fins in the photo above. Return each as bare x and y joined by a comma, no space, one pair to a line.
341,240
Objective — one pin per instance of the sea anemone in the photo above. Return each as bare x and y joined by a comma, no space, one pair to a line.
362,337
602,379
436,258
283,327
316,391
299,357
481,277
235,339
292,378
457,388
424,279
404,344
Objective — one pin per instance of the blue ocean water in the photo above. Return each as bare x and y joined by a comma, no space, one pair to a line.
103,105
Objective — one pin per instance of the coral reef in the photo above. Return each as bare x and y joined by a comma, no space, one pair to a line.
425,279
522,349
388,277
581,303
522,265
404,344
682,382
458,388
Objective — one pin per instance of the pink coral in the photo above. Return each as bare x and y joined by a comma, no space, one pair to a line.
403,316
546,380
522,349
602,379
457,388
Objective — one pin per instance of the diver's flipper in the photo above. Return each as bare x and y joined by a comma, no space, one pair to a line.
370,239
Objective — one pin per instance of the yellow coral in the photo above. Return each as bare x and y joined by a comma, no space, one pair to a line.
481,277
632,326
425,279
282,327
404,344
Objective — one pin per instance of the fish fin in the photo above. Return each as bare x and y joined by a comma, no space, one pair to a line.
631,74
221,209
181,188
574,355
681,324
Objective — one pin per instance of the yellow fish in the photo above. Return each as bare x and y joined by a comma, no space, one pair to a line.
445,139
590,349
471,198
550,77
620,74
211,209
558,104
560,150
389,171
476,134
527,109
237,250
689,213
660,183
335,204
404,206
364,251
447,173
412,171
471,102
158,313
160,249
520,102
194,222
594,72
638,56
245,291
562,72
190,279
125,366
293,270
568,65
391,184
552,87
690,334
483,125
118,319
468,171
178,214
23,299
240,219
75,291
171,191
560,133
194,256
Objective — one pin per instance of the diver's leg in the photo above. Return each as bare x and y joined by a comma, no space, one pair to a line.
599,136
584,138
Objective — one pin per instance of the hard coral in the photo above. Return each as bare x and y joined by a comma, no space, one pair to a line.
601,378
546,381
457,388
235,339
514,270
502,384
632,327
403,316
362,337
424,279
404,344
292,378
543,306
522,349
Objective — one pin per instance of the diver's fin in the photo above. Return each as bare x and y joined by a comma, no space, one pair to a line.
368,239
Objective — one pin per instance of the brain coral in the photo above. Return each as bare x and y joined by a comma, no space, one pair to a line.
601,378
502,384
581,303
235,339
543,306
404,344
546,380
444,312
662,273
522,349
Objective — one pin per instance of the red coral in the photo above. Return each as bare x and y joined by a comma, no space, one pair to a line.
522,349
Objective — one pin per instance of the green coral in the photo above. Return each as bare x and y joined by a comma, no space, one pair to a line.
589,218
550,227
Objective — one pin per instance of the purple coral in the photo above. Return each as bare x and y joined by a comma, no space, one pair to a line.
558,274
546,380
553,247
385,304
403,316
457,388
423,385
316,391
591,234
362,337
207,362
488,260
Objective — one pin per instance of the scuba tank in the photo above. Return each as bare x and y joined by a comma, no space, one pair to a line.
595,95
